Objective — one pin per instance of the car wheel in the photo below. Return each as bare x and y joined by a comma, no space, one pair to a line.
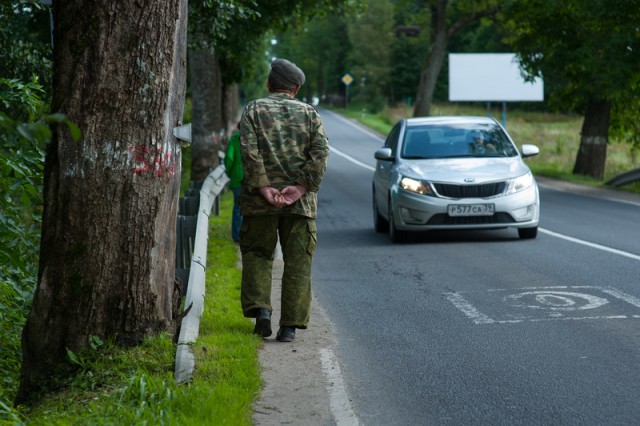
395,235
379,223
528,233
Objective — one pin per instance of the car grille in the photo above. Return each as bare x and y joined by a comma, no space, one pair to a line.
445,219
470,191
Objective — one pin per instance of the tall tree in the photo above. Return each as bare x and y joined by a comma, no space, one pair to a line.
592,48
320,47
233,34
410,35
371,36
110,200
211,25
207,119
447,18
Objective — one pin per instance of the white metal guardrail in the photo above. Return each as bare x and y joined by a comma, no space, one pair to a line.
194,299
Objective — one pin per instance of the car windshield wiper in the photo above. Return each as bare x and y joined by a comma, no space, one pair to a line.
457,156
417,157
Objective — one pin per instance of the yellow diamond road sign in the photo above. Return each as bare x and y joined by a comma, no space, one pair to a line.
347,79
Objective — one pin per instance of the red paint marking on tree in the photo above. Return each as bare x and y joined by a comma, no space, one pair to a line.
158,162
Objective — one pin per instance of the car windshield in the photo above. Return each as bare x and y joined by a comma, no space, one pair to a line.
449,141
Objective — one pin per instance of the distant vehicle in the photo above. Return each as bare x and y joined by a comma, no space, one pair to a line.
443,173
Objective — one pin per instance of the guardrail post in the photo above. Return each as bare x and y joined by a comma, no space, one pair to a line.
209,192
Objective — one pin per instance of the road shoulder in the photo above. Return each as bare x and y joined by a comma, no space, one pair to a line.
610,194
296,389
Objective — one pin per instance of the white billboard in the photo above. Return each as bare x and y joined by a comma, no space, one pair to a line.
490,77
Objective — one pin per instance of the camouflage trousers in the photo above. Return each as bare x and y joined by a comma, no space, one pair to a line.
258,238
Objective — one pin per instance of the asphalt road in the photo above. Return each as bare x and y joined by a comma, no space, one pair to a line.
480,328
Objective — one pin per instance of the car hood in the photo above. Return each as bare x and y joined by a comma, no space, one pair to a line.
462,170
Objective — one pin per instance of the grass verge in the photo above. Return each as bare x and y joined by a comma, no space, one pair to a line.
135,386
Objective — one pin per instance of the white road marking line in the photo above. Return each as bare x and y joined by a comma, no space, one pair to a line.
632,300
338,400
350,158
592,245
567,319
358,127
468,309
534,288
354,125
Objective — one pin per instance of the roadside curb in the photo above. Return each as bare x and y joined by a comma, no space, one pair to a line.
610,194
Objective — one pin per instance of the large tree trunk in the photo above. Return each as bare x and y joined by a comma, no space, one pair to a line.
208,124
110,200
441,32
435,59
231,103
594,137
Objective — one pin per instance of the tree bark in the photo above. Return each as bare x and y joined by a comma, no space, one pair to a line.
231,103
107,259
594,137
435,59
208,126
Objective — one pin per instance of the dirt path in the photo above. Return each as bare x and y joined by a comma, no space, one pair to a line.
302,380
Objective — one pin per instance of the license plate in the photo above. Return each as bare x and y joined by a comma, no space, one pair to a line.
471,209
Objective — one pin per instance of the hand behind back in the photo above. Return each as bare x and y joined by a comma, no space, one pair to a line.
286,197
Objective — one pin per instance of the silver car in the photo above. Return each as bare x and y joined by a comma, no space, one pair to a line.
453,173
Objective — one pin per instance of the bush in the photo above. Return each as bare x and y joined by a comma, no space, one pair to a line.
21,161
21,173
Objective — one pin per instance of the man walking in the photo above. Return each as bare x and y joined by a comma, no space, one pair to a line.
284,154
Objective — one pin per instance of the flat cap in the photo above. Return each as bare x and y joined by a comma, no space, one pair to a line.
287,72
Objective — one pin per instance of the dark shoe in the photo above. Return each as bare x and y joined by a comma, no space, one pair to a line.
263,323
286,334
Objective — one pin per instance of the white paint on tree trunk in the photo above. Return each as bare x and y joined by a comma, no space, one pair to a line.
594,140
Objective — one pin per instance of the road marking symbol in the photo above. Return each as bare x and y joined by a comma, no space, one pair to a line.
537,304
555,300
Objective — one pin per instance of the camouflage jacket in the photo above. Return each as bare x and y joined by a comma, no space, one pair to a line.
282,142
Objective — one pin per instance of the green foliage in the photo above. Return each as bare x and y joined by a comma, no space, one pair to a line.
328,40
588,51
379,121
589,48
370,34
407,57
211,21
385,60
21,166
21,159
25,42
624,122
237,29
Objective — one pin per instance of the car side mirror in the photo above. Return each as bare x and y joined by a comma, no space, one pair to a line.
529,150
384,154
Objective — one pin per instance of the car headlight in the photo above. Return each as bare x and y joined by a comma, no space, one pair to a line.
519,183
417,186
